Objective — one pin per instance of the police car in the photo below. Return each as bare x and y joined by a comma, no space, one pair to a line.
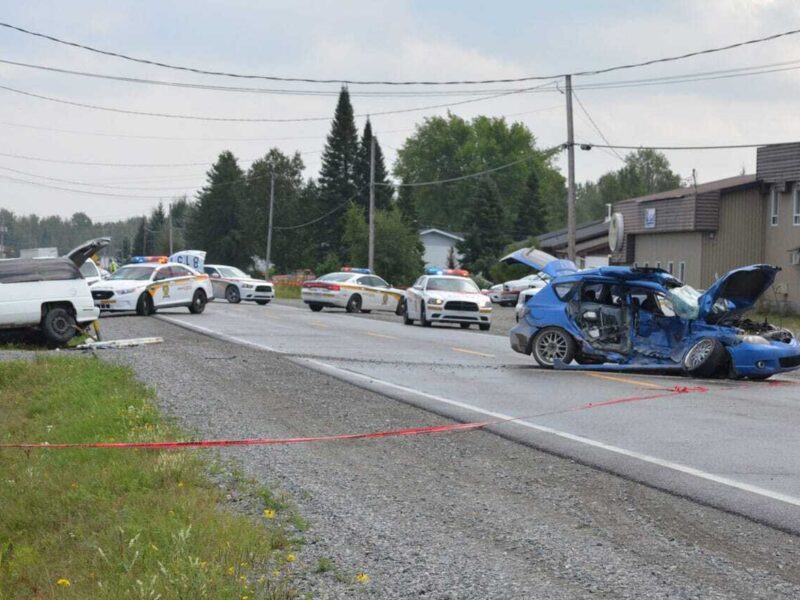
447,296
150,283
235,285
355,290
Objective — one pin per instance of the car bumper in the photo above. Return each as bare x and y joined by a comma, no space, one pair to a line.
753,360
117,303
521,335
440,315
330,299
252,295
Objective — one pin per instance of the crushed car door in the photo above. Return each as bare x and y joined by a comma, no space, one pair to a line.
599,311
655,328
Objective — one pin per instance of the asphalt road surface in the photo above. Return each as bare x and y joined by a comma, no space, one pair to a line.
732,445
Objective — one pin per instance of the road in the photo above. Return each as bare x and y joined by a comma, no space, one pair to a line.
728,444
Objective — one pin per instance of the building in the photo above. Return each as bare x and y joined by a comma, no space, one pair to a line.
591,243
700,232
437,246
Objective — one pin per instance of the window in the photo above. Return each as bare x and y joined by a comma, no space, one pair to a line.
647,264
774,199
682,271
796,210
180,271
670,267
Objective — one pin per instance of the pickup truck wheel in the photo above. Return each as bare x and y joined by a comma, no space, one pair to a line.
232,294
705,358
58,325
198,304
552,344
144,306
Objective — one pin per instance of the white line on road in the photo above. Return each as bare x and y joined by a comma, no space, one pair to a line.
667,464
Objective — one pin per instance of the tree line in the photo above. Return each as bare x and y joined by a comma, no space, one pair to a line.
321,224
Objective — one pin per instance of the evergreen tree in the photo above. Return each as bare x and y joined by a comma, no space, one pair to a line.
337,175
530,219
383,193
217,224
139,239
485,237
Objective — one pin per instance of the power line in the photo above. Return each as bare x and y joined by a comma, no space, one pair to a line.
73,190
107,164
589,146
596,127
254,119
307,223
341,80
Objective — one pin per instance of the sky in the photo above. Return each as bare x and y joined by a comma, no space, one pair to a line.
392,40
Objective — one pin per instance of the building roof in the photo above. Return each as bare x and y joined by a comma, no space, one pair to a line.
452,236
700,188
586,231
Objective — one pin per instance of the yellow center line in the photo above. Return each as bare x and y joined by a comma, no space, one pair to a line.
319,324
476,353
624,380
380,335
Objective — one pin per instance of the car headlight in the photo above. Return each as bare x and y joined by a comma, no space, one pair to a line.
753,339
248,286
435,301
125,291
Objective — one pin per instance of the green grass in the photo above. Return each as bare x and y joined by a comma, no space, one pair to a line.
119,523
287,292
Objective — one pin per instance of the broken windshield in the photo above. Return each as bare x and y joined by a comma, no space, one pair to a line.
685,301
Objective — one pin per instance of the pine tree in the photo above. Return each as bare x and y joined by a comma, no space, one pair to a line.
337,175
139,239
216,224
530,219
383,193
485,237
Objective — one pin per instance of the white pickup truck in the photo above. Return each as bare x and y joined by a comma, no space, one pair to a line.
50,294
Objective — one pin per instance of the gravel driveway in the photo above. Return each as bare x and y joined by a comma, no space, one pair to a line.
460,515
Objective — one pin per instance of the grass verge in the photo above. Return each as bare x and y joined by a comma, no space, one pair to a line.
119,523
287,292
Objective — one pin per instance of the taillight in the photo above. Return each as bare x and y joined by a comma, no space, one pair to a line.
334,287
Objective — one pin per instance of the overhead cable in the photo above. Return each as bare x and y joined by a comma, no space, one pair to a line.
596,127
589,146
342,80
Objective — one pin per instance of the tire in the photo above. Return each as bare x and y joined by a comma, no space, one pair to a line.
262,302
401,307
232,294
144,306
705,358
464,325
199,302
315,307
354,304
365,312
484,326
553,343
58,325
422,320
406,319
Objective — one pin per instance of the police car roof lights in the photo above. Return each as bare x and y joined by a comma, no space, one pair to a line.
440,271
149,259
356,270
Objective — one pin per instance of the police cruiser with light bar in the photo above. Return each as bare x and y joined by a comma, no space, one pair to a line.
447,296
355,290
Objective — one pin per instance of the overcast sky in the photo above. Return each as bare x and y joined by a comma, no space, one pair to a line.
372,40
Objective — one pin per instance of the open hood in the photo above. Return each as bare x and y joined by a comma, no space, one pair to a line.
541,261
739,289
86,250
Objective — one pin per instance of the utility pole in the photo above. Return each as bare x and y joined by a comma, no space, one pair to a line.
269,224
371,261
3,231
144,236
571,225
170,228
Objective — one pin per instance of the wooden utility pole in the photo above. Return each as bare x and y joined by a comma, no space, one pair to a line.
371,260
571,225
269,225
170,228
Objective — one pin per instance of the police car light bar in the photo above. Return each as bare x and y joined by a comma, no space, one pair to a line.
149,259
356,270
440,271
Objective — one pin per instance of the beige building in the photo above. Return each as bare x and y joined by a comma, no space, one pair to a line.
700,232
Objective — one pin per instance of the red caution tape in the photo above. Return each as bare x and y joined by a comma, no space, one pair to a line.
678,389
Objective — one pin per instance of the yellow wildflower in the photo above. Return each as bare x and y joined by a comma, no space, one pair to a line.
63,582
290,557
180,484
231,570
204,564
269,513
276,574
242,578
154,547
243,564
262,579
362,578
245,597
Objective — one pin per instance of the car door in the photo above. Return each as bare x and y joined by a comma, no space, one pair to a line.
216,281
415,295
369,300
385,300
183,283
162,289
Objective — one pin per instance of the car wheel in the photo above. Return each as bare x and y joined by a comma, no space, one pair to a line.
552,344
464,325
406,319
401,307
484,326
58,325
144,306
315,307
705,358
422,320
232,294
365,312
262,302
353,304
198,304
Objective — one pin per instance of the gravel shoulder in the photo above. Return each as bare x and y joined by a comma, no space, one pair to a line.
462,515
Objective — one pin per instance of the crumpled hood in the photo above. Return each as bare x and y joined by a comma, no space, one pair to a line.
740,289
541,261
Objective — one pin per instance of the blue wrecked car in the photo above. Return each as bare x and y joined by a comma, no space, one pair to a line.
643,319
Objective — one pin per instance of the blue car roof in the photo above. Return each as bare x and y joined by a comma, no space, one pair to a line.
630,275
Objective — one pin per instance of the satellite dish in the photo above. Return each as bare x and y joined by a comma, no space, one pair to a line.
616,232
